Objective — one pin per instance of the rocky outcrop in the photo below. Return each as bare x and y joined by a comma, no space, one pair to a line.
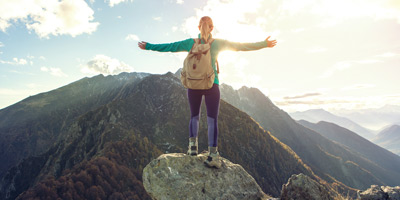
302,187
179,176
380,193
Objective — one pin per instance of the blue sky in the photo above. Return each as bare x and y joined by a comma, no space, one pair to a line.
341,54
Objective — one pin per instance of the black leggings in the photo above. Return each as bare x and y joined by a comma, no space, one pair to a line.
212,97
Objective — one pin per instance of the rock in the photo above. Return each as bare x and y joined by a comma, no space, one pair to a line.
301,187
380,193
179,176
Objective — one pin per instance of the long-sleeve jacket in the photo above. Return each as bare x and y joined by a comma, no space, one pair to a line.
217,46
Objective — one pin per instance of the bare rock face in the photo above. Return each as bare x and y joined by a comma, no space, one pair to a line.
302,187
179,176
380,193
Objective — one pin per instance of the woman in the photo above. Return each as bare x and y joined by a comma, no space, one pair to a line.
212,96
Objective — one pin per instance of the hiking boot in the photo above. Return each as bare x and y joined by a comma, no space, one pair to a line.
193,146
213,159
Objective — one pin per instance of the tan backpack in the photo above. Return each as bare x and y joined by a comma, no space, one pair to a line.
197,72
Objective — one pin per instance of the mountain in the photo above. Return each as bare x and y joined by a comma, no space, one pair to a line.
317,115
31,126
327,159
373,118
102,152
389,138
354,142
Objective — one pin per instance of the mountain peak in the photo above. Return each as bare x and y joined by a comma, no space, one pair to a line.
179,176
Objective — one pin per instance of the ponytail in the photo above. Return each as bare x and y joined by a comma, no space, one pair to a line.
205,25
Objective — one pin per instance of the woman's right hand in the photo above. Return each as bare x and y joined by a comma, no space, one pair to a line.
142,45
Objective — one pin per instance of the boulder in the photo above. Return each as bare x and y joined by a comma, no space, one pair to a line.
179,176
380,193
302,187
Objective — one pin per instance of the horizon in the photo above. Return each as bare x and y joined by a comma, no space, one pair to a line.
325,58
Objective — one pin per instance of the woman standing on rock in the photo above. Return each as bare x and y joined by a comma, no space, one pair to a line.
212,95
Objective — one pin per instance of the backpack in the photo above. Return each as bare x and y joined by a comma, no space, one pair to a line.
197,72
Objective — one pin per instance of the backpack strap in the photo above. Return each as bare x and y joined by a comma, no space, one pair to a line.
216,61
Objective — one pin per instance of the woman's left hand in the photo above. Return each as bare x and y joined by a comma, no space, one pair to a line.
270,43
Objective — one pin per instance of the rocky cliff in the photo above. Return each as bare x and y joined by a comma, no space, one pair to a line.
179,176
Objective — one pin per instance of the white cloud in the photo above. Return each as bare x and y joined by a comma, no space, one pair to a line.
174,28
179,1
158,18
378,9
339,66
297,30
105,65
54,71
343,65
316,50
16,61
42,58
336,102
358,86
132,37
49,17
44,69
20,61
112,3
119,17
387,55
1,44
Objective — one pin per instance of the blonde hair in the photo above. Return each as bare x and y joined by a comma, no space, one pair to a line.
206,25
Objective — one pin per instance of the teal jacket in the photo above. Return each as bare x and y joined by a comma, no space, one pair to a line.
217,46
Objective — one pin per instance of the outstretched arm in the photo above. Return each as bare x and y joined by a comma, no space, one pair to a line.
184,45
236,46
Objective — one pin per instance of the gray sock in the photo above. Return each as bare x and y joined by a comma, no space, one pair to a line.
193,140
213,150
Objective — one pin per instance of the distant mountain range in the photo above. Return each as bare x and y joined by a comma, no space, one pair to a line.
375,119
317,115
389,138
356,143
326,158
119,124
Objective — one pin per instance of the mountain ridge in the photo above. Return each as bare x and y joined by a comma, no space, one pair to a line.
151,111
316,115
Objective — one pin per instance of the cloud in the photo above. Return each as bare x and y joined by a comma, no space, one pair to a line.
102,64
358,86
343,65
20,61
49,17
132,37
179,1
377,9
387,55
54,71
316,50
157,19
112,3
339,66
16,61
303,96
1,44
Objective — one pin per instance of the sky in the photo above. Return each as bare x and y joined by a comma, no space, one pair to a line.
342,54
